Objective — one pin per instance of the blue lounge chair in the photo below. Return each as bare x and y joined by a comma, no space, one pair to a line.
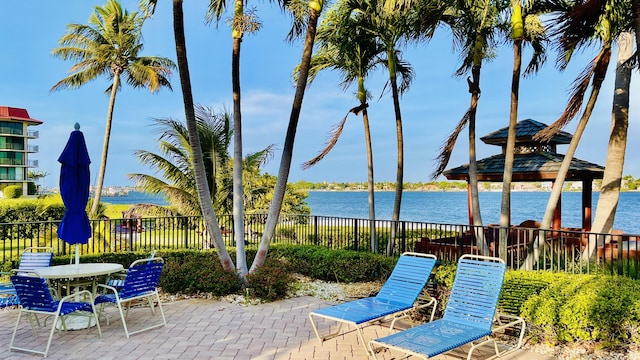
397,297
31,258
35,299
140,283
469,315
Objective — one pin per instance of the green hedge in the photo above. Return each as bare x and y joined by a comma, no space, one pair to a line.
558,307
31,210
12,191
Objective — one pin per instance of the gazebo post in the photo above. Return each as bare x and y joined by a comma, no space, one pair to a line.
469,206
587,193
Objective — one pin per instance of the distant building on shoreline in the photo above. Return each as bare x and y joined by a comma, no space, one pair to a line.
15,148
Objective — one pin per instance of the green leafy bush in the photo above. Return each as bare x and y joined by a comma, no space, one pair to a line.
597,308
334,265
270,281
197,272
12,191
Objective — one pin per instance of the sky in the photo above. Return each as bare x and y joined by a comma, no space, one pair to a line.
431,108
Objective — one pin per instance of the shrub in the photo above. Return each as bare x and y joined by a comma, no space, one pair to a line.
600,308
270,281
334,265
196,272
12,192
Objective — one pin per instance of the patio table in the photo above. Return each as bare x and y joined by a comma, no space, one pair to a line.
89,271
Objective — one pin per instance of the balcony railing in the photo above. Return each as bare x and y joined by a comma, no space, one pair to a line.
10,131
33,148
33,134
5,161
9,146
554,250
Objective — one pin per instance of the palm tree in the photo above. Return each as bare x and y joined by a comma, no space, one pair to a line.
391,28
526,28
110,45
241,23
204,196
578,28
475,26
346,47
176,166
314,10
612,179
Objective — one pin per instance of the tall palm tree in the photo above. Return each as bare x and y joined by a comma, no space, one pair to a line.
577,28
475,26
241,23
314,9
612,179
526,28
392,28
204,196
346,47
110,45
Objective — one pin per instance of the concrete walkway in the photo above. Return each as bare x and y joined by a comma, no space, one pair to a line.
209,329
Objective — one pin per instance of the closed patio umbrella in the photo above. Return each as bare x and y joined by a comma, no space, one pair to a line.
75,228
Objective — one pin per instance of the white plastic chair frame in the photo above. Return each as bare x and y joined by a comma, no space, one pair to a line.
36,299
140,283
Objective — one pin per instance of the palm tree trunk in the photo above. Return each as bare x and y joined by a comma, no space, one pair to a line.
610,191
238,193
505,208
473,164
204,196
370,182
315,8
539,244
395,216
105,144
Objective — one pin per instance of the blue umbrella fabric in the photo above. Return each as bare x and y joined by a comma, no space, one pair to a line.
74,188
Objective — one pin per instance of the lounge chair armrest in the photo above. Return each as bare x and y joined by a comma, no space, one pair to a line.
425,302
75,295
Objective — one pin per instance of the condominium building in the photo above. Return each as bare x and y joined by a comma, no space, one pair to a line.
15,148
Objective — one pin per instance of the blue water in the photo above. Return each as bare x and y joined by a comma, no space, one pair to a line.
443,207
135,197
451,207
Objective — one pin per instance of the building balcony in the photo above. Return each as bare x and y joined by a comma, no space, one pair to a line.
33,134
33,148
7,177
10,131
11,162
33,163
14,147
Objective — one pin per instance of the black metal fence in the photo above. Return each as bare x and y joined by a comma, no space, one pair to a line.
568,250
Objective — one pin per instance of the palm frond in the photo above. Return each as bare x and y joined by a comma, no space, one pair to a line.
333,137
447,147
595,71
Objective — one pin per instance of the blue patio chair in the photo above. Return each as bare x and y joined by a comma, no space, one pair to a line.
397,297
31,258
141,282
117,280
36,299
469,315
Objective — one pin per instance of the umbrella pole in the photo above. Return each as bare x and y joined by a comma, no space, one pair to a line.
77,254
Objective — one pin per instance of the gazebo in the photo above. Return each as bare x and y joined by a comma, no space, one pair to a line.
533,161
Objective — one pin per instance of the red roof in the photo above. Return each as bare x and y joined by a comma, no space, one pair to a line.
11,113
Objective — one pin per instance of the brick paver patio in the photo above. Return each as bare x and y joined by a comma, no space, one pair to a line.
209,329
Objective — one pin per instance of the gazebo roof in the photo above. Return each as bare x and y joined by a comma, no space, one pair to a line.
525,130
541,166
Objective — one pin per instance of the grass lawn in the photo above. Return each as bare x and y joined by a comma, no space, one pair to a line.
114,211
